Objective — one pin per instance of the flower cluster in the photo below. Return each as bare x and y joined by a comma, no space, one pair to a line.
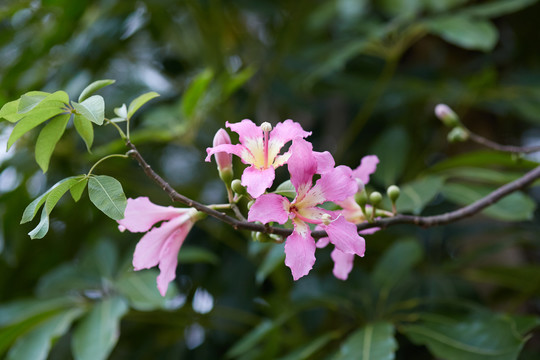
260,148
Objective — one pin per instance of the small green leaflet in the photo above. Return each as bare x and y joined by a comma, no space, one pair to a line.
93,87
194,93
84,129
107,195
48,138
140,101
372,342
92,109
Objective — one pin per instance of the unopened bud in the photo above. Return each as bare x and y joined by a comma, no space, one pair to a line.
237,187
250,204
361,198
223,159
446,115
261,237
375,198
393,193
266,127
458,134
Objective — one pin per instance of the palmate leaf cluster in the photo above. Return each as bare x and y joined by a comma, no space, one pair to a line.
364,77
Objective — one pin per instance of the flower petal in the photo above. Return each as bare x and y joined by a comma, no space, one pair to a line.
238,150
246,129
148,249
270,207
283,133
257,180
335,185
302,166
325,161
343,263
344,236
368,165
168,257
322,242
299,253
141,214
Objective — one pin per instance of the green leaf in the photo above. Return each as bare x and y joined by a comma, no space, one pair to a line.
287,189
497,8
93,87
141,290
483,159
479,336
92,109
309,350
400,7
237,80
140,101
84,129
391,148
48,138
77,189
30,100
9,111
194,93
97,333
525,278
417,194
107,195
20,310
42,227
396,263
31,210
37,343
38,115
372,342
195,254
514,207
466,32
469,173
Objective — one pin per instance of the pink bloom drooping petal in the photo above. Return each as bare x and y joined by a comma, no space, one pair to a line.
141,214
302,166
268,208
169,257
343,263
257,181
160,245
368,165
300,253
344,236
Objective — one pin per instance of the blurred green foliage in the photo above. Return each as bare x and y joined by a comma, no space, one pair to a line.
364,76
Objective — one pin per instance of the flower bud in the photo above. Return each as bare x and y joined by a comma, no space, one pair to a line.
375,198
361,198
223,160
393,193
237,187
446,115
458,134
250,204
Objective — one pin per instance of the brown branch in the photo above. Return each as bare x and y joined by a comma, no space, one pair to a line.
506,148
424,221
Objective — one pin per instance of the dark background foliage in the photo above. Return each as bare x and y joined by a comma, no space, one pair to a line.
364,77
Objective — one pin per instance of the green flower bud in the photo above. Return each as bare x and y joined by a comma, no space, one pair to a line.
361,198
237,187
250,204
375,198
393,192
447,115
458,134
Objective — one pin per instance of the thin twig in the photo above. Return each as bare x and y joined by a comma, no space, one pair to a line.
506,148
424,221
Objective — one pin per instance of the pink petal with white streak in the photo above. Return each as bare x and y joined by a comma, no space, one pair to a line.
283,133
343,263
270,207
302,166
325,161
300,253
168,257
344,236
368,165
335,185
148,249
238,150
141,214
246,129
257,181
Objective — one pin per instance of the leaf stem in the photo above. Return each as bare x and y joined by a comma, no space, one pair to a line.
103,159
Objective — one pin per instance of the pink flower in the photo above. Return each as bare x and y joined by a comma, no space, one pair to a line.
343,262
161,244
334,185
223,159
259,147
